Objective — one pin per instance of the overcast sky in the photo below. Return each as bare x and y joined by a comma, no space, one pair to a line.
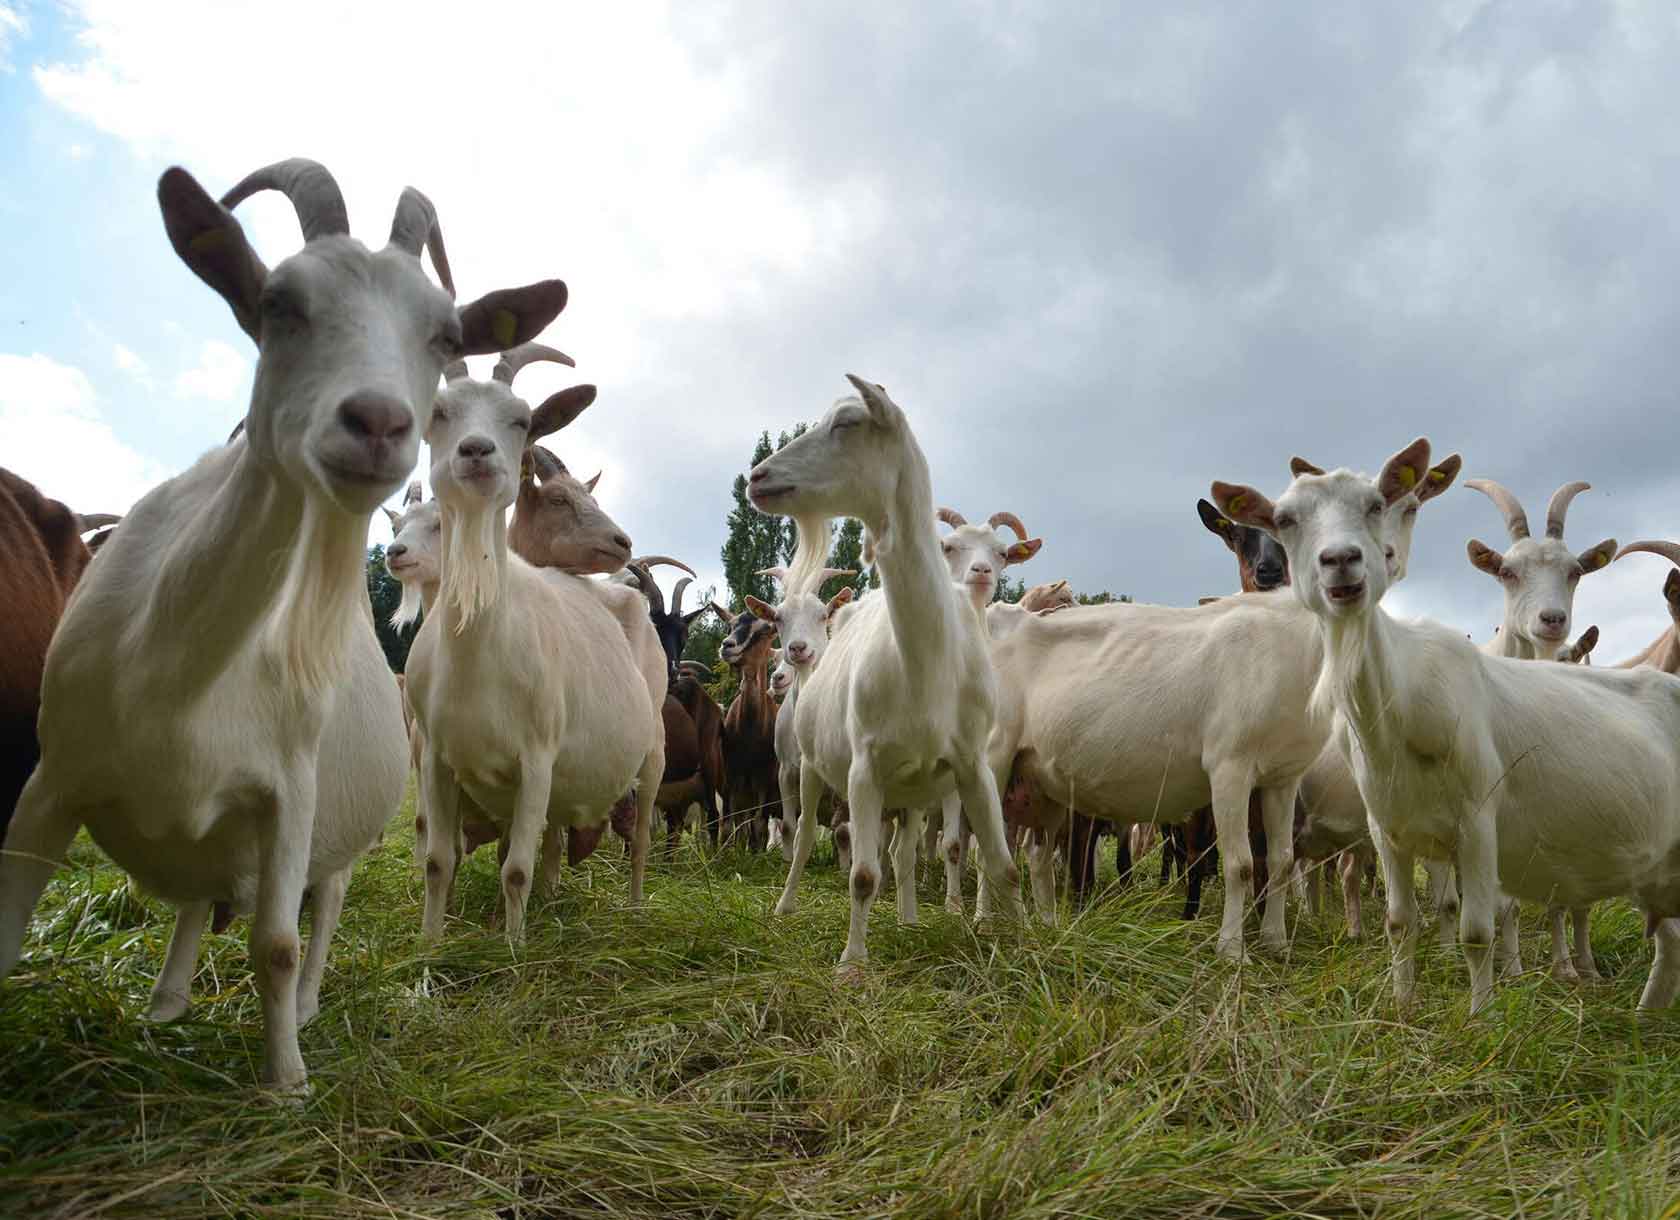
1102,254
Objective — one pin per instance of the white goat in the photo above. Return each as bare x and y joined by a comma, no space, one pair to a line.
188,685
1149,713
1538,576
900,708
530,698
802,622
976,556
1553,783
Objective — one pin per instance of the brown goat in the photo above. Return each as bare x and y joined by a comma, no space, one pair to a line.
751,790
42,556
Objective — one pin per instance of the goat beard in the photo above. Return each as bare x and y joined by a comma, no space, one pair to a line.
309,627
471,573
408,610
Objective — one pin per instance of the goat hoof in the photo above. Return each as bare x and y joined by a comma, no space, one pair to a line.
167,1006
1274,944
786,907
1564,972
954,906
852,973
1233,951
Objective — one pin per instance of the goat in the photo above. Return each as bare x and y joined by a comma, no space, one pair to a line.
749,731
694,770
1144,712
1552,783
534,697
801,620
43,555
899,709
220,629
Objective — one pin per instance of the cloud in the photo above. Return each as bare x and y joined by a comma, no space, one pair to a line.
13,26
220,375
54,434
133,365
1101,257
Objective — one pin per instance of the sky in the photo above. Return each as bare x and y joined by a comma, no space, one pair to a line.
1102,254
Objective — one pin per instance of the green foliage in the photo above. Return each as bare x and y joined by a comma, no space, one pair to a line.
385,592
754,541
1010,591
1100,599
695,1056
846,553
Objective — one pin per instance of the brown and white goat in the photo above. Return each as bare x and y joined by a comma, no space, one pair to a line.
751,790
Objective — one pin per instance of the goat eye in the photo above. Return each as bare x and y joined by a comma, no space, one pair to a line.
1374,508
280,307
1283,521
447,342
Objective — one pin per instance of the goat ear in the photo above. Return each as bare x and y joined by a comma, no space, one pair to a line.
1020,552
510,316
881,408
728,618
1217,522
560,409
1299,466
1244,505
1439,478
1404,471
1594,558
211,242
1671,593
590,486
760,610
1582,647
694,614
841,598
1484,558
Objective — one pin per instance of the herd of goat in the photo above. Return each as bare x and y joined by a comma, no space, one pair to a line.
201,687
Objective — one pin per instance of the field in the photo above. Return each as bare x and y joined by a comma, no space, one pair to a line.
700,1058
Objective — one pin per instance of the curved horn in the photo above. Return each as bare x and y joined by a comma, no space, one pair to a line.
828,574
695,667
648,586
648,561
677,594
547,464
94,521
1012,521
416,225
1516,521
950,517
314,194
779,574
1656,546
1558,509
516,358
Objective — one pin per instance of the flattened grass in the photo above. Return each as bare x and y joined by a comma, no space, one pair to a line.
699,1057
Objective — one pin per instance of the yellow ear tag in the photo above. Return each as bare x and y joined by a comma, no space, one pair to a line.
1598,559
1435,476
208,240
503,327
1407,477
1223,522
1235,506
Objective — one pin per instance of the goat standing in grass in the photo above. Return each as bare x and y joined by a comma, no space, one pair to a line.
1553,783
226,624
899,710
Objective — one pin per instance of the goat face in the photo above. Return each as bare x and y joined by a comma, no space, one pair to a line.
844,466
801,621
558,524
351,342
1261,562
750,634
477,435
781,679
1335,529
414,556
1539,576
977,557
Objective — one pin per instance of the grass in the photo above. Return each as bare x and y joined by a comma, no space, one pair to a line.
698,1057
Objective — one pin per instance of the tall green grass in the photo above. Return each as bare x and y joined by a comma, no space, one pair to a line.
698,1057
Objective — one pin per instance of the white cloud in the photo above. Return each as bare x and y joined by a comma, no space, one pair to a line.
12,27
133,365
53,434
220,374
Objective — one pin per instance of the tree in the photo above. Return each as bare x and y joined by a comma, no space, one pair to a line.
754,542
846,553
1010,591
385,592
1101,599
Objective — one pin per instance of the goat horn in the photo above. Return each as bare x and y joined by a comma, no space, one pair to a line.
1558,509
1516,521
413,494
94,521
516,358
237,429
777,573
677,594
695,667
314,194
829,574
1668,550
950,517
415,225
1012,521
546,463
648,561
648,586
